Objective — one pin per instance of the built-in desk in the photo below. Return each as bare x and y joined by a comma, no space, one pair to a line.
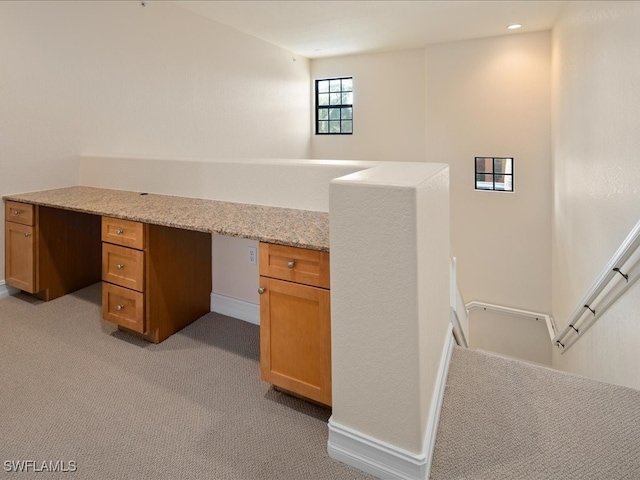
153,255
281,226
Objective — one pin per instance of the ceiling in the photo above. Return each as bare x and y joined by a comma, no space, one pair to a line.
327,28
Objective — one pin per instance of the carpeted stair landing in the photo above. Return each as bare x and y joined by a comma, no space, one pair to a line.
507,419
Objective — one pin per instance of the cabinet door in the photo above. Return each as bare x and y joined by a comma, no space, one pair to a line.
19,256
295,338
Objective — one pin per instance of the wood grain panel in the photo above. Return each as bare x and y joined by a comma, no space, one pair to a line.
123,306
178,279
123,266
19,256
123,232
68,251
295,338
300,265
19,213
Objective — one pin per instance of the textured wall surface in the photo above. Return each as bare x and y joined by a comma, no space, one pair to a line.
388,107
492,97
119,78
596,67
389,298
287,183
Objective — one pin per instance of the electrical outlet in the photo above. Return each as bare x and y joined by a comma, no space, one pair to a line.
252,255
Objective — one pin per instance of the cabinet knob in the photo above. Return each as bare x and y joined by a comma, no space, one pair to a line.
119,266
119,231
27,234
291,264
16,212
261,290
120,307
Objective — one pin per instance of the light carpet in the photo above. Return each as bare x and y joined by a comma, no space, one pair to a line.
76,391
508,419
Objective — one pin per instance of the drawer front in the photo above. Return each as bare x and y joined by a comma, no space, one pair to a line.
300,265
123,232
19,213
123,307
123,266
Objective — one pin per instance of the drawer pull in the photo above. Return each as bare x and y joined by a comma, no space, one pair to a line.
119,266
291,264
119,231
120,307
16,212
27,234
261,290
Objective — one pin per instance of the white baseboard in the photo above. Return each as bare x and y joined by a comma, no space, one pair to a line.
386,461
6,290
232,307
438,397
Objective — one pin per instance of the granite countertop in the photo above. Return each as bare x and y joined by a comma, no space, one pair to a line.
283,226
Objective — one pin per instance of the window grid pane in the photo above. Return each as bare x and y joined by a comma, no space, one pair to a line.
484,165
323,99
334,106
494,173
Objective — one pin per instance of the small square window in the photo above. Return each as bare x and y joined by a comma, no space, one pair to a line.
494,174
334,106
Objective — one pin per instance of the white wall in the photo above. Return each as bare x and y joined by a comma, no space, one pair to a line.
515,336
287,183
388,107
119,78
390,264
596,67
492,97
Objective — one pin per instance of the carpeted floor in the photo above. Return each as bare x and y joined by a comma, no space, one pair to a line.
77,394
507,419
76,391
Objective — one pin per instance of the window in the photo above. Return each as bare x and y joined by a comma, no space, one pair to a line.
494,173
334,106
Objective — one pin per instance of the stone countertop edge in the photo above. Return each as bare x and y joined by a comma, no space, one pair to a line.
283,226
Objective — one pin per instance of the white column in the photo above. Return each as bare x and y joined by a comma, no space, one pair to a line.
390,266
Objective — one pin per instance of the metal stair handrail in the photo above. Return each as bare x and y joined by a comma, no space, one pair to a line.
616,278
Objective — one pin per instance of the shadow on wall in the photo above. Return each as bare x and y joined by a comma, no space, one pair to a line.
522,338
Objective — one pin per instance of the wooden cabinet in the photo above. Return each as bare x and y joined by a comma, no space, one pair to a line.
295,321
155,279
19,248
123,273
50,252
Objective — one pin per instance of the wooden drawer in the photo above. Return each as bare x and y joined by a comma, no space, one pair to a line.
123,306
123,266
300,265
19,213
123,232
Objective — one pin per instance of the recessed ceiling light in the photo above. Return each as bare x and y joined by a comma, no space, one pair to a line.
514,26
